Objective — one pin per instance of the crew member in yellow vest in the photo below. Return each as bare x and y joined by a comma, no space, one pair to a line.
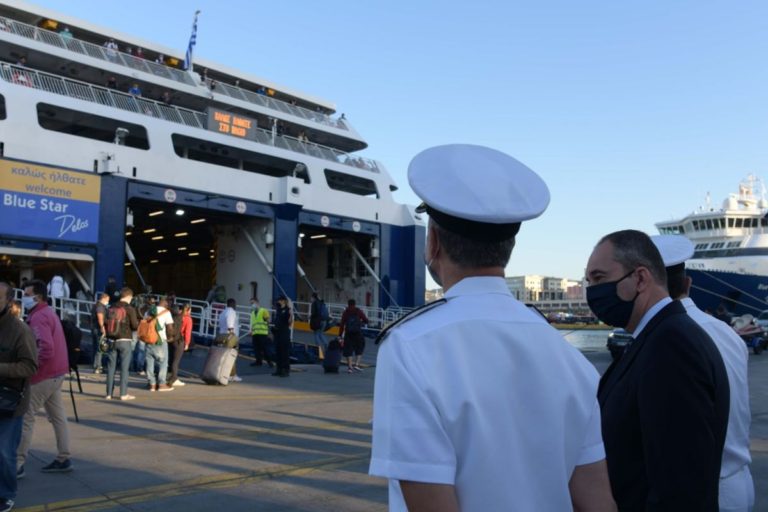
260,333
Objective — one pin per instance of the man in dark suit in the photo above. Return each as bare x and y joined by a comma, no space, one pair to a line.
665,403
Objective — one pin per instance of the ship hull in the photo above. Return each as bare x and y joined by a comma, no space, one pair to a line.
738,293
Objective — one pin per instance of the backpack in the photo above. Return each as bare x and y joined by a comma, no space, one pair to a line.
324,311
116,321
148,331
353,325
73,336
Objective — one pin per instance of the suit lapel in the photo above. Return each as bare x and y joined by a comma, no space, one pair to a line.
617,370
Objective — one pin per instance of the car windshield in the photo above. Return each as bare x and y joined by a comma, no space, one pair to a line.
763,316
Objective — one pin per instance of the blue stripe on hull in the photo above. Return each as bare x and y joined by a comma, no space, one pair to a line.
739,293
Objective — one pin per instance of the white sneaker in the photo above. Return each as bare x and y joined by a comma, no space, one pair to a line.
127,397
177,382
235,378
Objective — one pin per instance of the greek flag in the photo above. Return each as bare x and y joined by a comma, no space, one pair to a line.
192,41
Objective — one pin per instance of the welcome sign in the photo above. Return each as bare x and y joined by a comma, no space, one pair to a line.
45,202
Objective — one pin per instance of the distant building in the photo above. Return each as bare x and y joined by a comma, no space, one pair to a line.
535,288
430,295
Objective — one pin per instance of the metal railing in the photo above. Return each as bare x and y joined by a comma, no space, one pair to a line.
161,70
27,77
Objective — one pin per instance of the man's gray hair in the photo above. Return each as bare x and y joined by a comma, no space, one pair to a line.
632,249
472,253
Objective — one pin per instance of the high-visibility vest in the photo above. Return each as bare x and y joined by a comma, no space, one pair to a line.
259,323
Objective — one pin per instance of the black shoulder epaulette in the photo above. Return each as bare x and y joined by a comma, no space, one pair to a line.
410,316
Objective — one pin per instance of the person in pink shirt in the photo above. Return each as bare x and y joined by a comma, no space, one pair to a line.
45,389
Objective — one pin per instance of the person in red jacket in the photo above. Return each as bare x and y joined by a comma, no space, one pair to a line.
186,325
351,331
45,389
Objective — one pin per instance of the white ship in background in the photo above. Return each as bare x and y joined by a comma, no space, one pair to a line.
730,264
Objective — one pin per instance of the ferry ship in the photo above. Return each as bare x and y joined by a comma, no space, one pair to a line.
116,161
729,267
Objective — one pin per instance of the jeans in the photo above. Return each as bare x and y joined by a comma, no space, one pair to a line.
122,349
157,354
320,341
98,355
45,394
139,354
10,435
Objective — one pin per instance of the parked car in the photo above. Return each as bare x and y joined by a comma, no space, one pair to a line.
762,320
618,341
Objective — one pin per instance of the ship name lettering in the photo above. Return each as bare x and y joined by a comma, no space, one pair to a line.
71,223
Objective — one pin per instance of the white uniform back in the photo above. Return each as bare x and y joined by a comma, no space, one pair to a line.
736,487
483,394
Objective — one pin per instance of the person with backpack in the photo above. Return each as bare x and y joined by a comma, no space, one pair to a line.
282,330
122,320
318,321
161,321
351,332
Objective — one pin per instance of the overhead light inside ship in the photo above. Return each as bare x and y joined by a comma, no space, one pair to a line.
161,251
302,235
181,249
155,214
127,264
154,261
129,233
179,212
179,235
150,230
159,237
196,221
194,254
315,237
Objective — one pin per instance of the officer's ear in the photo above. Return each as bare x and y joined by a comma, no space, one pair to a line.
433,241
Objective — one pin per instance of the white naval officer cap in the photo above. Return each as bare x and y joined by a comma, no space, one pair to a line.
475,191
674,249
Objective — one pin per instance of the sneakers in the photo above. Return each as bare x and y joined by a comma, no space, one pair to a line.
350,370
235,378
143,373
177,382
58,466
5,504
164,387
97,371
152,387
357,368
20,473
127,397
108,397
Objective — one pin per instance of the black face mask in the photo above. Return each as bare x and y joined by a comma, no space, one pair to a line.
606,304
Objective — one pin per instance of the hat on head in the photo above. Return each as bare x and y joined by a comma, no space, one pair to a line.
475,191
674,249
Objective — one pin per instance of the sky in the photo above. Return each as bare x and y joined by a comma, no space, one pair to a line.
632,112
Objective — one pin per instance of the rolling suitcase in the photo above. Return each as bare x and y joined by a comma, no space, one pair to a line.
218,365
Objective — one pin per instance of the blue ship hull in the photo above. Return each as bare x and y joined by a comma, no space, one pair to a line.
738,293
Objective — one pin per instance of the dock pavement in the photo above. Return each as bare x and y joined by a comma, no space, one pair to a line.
266,444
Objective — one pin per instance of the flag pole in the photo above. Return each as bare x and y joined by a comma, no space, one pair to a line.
192,42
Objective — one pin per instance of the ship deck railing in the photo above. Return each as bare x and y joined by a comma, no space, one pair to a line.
163,71
26,77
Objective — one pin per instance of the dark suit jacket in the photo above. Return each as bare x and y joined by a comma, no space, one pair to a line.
665,412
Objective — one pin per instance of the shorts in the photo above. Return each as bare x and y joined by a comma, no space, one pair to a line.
354,344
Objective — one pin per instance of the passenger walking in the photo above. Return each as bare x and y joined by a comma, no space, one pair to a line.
665,403
260,333
736,490
99,330
176,343
157,354
351,332
282,330
58,289
515,427
186,326
122,322
45,389
230,325
18,363
318,322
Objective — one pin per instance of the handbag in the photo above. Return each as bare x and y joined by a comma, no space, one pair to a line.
106,345
9,399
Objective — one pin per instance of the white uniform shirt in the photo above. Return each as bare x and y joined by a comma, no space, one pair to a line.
228,320
481,393
164,317
734,352
58,288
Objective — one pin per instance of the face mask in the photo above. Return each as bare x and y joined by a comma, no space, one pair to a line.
28,302
606,304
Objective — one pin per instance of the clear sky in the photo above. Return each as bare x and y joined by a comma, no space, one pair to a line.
630,111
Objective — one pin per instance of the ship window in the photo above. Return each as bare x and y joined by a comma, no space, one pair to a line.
730,222
718,245
682,230
2,106
237,158
763,222
350,183
701,247
90,126
739,222
709,223
754,222
696,225
733,244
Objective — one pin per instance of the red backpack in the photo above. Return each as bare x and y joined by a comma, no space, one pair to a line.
116,321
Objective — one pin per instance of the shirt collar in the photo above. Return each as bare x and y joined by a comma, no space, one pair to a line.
478,285
650,314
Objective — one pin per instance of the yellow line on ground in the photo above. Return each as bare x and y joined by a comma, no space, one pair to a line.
193,485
